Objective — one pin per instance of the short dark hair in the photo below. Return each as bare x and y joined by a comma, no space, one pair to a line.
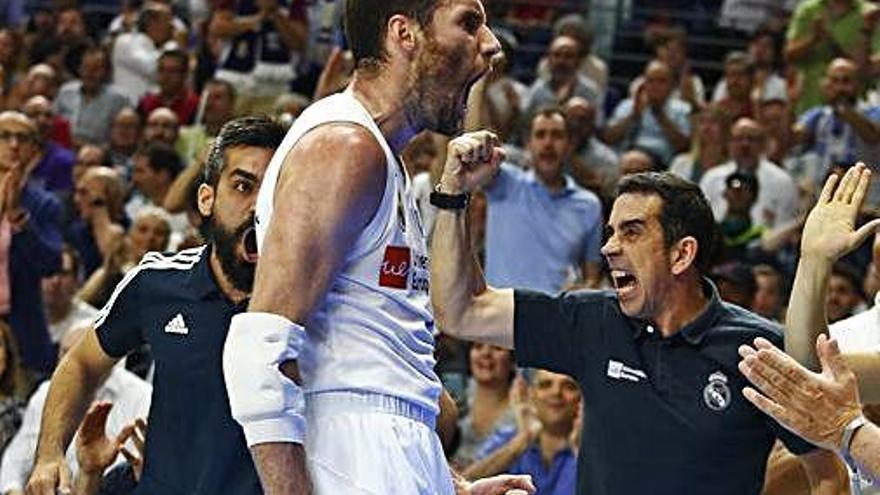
548,111
255,130
162,157
684,211
177,53
366,24
222,82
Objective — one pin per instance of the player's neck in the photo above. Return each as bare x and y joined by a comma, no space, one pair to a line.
386,100
685,301
226,287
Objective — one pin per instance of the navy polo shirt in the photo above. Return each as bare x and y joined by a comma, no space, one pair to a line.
172,303
661,415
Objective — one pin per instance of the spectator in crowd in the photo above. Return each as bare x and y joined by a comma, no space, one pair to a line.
738,232
72,38
768,84
555,224
98,198
88,156
769,292
262,39
670,47
11,387
781,148
150,231
592,161
635,161
41,80
590,66
488,404
777,193
844,297
219,107
842,130
543,443
135,54
64,309
564,81
90,103
53,163
653,119
155,167
125,137
820,31
30,243
162,126
129,394
739,78
735,282
709,145
171,76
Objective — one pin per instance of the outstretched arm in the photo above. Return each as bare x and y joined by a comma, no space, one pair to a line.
829,233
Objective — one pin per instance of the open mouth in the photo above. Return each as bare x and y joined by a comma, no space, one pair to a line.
249,245
624,282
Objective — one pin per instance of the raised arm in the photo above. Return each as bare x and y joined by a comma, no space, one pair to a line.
322,201
74,382
464,305
829,233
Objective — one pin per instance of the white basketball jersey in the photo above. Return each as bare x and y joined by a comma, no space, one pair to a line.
373,332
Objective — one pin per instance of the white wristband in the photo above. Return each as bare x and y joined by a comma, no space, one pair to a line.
269,406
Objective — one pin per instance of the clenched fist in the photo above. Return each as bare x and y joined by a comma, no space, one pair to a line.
472,160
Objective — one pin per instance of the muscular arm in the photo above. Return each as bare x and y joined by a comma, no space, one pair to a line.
865,448
323,200
464,305
74,382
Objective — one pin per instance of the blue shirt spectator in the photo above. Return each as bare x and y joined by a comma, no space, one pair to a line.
647,133
536,237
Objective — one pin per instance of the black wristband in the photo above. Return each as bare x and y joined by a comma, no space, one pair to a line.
450,201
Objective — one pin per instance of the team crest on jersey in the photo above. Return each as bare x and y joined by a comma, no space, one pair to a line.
716,394
394,271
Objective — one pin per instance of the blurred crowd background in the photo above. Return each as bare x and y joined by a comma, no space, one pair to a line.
755,100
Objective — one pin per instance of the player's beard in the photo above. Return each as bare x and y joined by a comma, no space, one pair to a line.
239,271
440,89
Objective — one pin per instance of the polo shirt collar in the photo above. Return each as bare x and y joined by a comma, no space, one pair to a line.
569,187
201,279
696,329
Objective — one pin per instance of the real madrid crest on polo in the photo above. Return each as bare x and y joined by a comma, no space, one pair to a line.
716,394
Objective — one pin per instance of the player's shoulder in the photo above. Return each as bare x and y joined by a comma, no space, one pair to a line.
342,140
157,267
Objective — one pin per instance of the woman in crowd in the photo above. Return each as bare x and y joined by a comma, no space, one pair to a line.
492,372
708,145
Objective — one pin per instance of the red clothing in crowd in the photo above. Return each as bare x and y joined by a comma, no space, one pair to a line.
184,105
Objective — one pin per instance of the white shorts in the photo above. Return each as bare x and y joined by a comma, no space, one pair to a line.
370,444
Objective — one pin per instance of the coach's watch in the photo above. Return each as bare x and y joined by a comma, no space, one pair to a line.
446,201
849,432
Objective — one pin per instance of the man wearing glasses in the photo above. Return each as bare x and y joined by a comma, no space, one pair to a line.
30,243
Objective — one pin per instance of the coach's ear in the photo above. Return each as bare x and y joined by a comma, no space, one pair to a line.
683,255
205,200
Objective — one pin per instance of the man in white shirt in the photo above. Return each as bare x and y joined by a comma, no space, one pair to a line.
778,195
135,54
